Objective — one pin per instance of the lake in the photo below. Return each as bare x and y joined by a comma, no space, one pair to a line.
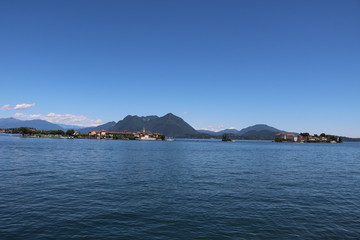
186,189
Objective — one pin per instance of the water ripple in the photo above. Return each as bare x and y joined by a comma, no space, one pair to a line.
83,189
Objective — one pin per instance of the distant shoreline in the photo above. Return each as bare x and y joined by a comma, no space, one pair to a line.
215,139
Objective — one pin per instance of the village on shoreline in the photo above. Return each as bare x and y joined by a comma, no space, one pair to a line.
146,135
72,134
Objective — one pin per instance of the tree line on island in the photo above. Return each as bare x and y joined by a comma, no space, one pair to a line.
306,137
32,131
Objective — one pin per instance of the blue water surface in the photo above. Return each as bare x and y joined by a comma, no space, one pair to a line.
186,189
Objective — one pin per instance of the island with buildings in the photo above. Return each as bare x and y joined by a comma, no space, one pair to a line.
102,134
307,138
151,136
126,135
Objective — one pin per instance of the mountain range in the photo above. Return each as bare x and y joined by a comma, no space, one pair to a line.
169,125
258,131
37,123
257,127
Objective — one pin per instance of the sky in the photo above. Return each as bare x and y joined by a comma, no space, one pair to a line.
294,65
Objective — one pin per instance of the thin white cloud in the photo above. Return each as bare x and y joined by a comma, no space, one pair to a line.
214,129
211,128
68,119
23,106
206,128
5,107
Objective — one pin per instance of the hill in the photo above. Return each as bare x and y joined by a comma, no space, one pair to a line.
255,132
37,123
258,128
169,125
259,135
348,139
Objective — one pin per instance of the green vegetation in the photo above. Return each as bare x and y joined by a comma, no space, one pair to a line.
25,131
119,137
129,136
330,138
306,137
225,138
70,132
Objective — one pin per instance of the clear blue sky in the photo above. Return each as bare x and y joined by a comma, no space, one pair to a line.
294,65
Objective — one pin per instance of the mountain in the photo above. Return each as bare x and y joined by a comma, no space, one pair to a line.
133,124
259,135
348,139
207,132
259,127
64,126
105,126
258,131
169,125
9,122
37,123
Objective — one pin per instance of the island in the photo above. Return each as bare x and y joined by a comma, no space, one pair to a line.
226,138
307,138
126,135
102,134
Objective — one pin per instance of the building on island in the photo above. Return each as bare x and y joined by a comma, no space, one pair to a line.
306,137
287,137
126,135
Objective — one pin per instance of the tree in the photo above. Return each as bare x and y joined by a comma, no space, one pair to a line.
70,132
225,138
323,135
60,132
24,130
305,134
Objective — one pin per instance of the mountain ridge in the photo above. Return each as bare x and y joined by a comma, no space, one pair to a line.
169,125
256,127
36,123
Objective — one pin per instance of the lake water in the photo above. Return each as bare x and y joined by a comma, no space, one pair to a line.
186,189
